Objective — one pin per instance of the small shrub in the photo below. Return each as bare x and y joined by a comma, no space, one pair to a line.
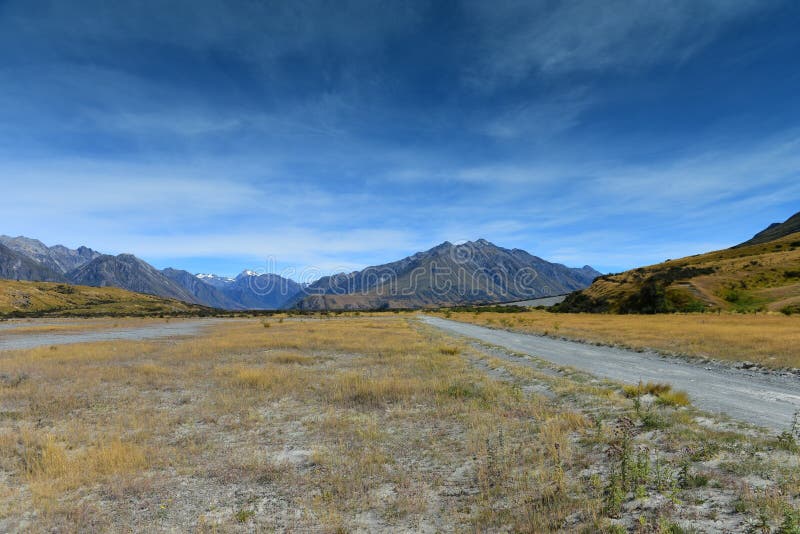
790,523
464,390
243,516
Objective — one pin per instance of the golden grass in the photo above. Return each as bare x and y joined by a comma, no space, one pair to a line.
293,358
51,470
772,340
673,398
651,388
664,393
371,423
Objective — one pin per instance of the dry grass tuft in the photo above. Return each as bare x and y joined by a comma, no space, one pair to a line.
293,358
673,398
651,388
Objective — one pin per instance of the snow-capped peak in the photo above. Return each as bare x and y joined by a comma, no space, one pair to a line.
214,277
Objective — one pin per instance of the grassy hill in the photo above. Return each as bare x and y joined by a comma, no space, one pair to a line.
755,277
33,299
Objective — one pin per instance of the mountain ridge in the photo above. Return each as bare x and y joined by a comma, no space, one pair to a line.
774,231
58,258
446,274
126,271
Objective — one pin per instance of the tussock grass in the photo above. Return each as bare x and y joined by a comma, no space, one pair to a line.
664,393
355,389
673,398
651,388
50,469
293,358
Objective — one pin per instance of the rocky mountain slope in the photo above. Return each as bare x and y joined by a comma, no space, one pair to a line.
262,291
760,276
57,258
16,266
126,271
202,291
448,274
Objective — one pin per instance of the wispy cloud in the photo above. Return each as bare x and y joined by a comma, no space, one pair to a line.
586,36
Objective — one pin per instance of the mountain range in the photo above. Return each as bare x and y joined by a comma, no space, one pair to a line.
23,258
448,274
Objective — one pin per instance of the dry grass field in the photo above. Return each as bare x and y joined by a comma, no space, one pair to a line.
364,424
772,340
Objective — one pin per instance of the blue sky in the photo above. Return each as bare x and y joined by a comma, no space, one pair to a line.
321,136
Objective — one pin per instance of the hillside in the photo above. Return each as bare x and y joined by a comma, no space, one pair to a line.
763,276
24,298
775,231
448,274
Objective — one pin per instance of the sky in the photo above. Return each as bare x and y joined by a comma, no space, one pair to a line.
306,137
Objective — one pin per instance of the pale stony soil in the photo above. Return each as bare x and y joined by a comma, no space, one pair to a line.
362,424
27,336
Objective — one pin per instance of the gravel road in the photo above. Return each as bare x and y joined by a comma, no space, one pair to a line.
766,399
11,341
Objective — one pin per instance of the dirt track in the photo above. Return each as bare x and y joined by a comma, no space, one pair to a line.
765,399
12,341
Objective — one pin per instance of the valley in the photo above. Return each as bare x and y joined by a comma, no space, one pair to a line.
363,423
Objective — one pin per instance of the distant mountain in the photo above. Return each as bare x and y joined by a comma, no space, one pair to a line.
201,290
473,272
448,274
761,276
22,258
58,258
126,271
16,266
220,282
775,231
261,291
